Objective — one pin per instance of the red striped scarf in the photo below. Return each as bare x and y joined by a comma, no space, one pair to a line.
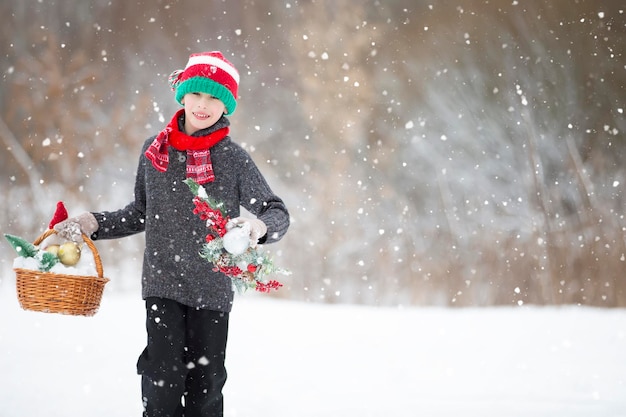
199,165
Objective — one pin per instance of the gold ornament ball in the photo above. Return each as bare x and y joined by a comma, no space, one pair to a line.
53,249
69,253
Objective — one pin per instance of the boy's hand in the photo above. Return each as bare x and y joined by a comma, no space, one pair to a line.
258,229
73,228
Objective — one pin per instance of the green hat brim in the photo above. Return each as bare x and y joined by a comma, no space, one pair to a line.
207,86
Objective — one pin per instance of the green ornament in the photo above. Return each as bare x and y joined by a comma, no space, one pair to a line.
47,260
23,247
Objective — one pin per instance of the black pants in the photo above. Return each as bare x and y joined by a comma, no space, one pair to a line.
182,366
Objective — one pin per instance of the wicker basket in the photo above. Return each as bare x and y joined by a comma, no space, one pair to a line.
48,292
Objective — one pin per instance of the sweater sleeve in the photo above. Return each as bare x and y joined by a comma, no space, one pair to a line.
130,219
257,197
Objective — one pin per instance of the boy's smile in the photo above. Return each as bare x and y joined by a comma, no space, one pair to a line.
201,116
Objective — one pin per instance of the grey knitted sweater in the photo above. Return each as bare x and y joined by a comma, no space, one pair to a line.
163,208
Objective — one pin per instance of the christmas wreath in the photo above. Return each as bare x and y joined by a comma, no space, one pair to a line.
228,246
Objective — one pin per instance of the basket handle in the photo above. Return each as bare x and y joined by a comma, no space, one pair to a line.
88,242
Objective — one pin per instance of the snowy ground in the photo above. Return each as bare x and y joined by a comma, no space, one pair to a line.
299,360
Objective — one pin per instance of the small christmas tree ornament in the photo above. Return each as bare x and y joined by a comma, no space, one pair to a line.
23,247
69,253
46,260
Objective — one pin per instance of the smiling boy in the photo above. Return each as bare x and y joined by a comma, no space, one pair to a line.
187,302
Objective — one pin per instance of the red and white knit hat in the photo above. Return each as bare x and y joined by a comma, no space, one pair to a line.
209,73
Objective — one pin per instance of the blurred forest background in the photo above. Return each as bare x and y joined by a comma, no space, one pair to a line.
458,153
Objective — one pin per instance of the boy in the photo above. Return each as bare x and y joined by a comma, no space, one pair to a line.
187,303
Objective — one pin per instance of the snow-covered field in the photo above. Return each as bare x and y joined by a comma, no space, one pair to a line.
299,360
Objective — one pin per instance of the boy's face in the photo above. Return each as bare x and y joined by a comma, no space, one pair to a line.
201,111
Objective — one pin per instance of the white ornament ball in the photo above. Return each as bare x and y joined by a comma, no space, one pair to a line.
69,253
237,239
